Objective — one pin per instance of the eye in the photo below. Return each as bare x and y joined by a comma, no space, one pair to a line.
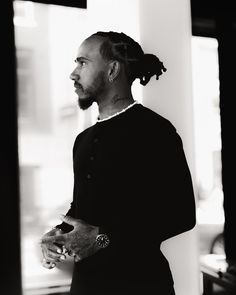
81,63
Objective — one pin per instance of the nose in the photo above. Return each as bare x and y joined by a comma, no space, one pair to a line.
74,75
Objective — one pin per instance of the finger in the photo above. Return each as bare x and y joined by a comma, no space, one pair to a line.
59,239
63,257
69,220
58,231
48,264
54,231
50,259
70,253
50,256
56,259
76,256
54,256
64,250
55,248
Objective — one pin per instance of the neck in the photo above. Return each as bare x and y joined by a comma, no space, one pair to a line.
115,103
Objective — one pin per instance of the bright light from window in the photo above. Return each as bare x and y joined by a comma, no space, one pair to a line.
207,130
24,14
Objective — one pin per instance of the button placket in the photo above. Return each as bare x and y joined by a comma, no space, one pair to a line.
91,158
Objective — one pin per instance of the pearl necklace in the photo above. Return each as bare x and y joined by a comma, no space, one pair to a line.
118,113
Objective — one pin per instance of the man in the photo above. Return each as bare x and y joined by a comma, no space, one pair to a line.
132,185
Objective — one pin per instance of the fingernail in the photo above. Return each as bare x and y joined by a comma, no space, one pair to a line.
63,257
59,251
53,265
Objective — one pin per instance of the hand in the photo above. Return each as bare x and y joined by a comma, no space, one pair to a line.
52,253
80,242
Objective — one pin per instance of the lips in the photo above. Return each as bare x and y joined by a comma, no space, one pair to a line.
78,86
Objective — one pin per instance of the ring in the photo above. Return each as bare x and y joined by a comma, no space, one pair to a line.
46,261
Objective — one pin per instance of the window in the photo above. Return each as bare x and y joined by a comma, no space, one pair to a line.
210,213
48,120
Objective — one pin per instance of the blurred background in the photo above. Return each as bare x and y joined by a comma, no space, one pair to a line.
188,37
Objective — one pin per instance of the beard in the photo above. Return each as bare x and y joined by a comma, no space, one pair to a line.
90,94
85,103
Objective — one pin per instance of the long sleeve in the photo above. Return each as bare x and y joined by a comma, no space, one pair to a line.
72,210
152,194
177,196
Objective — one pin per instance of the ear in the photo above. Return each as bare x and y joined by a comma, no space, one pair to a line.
114,70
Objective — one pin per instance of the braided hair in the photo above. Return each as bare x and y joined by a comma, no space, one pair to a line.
123,48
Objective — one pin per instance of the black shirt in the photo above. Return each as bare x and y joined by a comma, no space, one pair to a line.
131,178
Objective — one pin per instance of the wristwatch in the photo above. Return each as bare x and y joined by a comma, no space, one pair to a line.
102,240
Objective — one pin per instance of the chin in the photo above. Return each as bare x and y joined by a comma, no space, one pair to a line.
85,103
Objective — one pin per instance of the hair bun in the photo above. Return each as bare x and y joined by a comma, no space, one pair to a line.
122,47
149,65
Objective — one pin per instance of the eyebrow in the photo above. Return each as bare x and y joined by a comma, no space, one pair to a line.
81,58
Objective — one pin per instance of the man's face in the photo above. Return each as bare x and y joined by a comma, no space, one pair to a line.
89,75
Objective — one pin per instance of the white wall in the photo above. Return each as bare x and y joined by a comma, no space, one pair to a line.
165,28
68,27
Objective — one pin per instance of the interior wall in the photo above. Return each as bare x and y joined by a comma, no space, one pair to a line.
115,15
165,28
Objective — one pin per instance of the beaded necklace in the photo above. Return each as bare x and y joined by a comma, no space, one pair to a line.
118,113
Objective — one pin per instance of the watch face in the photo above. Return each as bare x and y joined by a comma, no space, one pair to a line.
102,240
